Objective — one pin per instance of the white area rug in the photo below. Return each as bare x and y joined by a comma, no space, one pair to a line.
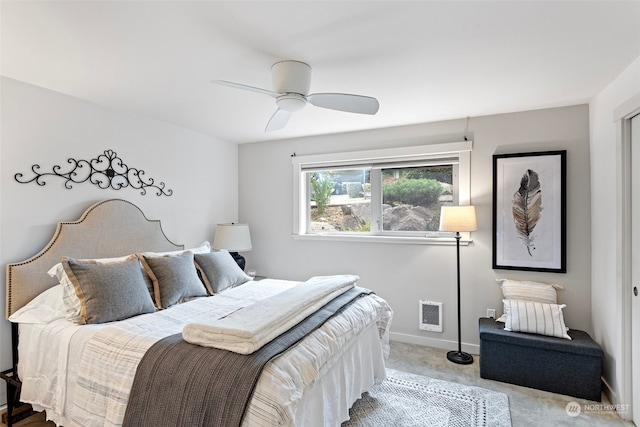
405,399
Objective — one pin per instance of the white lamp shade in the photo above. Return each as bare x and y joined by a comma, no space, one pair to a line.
458,218
232,237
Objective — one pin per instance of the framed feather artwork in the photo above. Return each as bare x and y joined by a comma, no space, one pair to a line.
529,211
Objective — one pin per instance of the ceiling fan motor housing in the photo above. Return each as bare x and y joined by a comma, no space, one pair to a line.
291,77
291,102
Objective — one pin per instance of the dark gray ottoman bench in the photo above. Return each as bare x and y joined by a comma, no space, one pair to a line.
572,367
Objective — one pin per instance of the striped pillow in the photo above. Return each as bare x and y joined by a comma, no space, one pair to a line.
535,317
529,291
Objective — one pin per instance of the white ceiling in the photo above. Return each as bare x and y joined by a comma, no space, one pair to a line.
423,60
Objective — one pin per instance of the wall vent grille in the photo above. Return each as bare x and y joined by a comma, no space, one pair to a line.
430,316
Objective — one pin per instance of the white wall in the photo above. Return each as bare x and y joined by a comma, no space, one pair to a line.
604,275
45,127
404,274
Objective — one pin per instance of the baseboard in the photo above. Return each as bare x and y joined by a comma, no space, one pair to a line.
433,342
622,408
608,391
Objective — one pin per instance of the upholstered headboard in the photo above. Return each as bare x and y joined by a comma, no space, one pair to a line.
107,229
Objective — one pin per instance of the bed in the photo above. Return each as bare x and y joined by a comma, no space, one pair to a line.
81,362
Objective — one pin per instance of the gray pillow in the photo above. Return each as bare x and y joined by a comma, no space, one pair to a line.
174,278
108,292
219,271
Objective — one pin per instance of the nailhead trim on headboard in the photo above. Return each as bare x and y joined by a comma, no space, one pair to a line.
120,230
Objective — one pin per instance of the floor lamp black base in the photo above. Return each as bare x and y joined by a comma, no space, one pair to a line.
460,357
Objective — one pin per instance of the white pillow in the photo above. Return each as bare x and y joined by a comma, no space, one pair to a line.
70,300
43,309
535,317
203,248
529,291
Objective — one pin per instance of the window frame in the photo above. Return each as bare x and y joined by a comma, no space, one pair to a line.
375,159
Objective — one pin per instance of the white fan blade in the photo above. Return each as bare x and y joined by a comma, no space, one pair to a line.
345,102
245,87
278,120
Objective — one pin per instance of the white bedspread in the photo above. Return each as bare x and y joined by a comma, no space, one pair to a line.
246,331
96,394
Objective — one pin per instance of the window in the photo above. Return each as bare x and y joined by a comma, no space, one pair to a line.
412,196
392,193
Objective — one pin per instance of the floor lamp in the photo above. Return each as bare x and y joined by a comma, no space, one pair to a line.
458,218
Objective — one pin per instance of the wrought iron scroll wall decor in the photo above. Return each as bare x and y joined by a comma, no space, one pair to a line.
105,171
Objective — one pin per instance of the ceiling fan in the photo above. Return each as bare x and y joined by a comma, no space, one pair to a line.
291,82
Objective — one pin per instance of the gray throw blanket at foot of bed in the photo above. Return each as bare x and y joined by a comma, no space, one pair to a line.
182,384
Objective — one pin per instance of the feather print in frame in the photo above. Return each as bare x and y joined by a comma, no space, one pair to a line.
527,208
529,211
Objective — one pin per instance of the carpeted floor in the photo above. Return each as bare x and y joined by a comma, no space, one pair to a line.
528,407
407,400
